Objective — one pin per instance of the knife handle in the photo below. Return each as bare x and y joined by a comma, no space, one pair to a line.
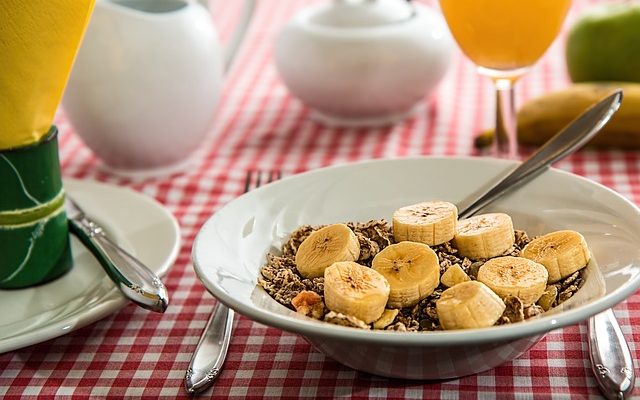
134,279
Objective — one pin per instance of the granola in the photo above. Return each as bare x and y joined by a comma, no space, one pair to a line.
309,303
281,280
345,320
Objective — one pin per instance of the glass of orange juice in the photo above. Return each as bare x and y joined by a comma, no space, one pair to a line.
504,38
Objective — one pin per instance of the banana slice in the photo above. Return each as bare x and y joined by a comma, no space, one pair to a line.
388,316
548,297
356,290
469,305
454,275
324,247
561,252
484,236
431,223
412,270
515,276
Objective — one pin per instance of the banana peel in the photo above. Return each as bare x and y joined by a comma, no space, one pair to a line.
543,117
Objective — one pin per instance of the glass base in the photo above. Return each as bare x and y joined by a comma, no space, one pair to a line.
499,74
505,140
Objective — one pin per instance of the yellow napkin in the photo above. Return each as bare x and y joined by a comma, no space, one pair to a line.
38,43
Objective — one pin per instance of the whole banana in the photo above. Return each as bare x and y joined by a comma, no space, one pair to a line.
541,118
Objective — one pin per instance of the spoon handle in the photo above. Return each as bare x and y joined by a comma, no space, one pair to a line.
567,141
611,360
206,362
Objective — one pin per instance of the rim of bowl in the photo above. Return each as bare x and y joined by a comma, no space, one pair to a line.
313,328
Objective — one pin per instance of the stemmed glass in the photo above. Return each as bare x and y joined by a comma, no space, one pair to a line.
504,38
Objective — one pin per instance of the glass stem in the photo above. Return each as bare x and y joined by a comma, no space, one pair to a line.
505,140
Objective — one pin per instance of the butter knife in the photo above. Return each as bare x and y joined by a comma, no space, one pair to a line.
135,280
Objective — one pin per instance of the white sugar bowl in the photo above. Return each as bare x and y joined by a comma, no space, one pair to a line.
363,62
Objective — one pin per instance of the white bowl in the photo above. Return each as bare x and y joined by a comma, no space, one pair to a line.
230,249
362,73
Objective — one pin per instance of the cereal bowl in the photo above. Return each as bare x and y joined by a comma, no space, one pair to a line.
231,247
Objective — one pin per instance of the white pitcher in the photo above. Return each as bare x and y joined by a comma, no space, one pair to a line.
146,82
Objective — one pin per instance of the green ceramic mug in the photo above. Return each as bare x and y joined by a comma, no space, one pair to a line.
34,237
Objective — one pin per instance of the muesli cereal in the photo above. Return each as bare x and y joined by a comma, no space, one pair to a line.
282,280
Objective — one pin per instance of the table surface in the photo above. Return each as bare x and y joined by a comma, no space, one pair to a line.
258,125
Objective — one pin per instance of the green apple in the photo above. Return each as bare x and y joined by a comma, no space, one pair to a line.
604,44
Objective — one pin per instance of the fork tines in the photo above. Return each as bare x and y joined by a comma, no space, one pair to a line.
255,178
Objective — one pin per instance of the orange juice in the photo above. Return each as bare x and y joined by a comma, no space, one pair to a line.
38,43
504,34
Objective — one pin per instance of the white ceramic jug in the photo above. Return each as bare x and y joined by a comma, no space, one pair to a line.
146,81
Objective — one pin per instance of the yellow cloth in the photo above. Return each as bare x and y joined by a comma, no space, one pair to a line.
38,43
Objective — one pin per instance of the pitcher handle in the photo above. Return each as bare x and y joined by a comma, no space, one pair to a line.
238,35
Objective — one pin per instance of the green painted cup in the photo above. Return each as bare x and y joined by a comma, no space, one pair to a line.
34,237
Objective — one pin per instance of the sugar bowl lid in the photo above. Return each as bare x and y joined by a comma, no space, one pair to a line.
363,13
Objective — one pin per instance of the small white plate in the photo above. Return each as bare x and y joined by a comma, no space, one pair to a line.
85,294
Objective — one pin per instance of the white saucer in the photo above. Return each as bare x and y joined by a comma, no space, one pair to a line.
85,294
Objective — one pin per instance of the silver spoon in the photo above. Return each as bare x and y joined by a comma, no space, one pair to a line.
134,279
611,360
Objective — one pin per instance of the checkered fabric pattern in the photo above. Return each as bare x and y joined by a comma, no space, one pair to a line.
135,353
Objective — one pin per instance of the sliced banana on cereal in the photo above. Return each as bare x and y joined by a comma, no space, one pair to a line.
388,316
484,236
412,270
561,252
431,223
469,305
515,276
548,298
454,275
324,247
356,290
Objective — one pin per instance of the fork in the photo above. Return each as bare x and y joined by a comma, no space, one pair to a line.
211,352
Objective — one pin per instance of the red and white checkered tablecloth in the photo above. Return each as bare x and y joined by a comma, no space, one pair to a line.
134,353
